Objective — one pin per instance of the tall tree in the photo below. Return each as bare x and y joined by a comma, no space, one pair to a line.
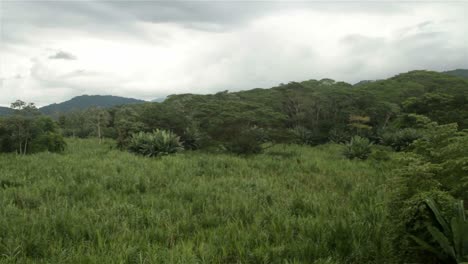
99,118
22,123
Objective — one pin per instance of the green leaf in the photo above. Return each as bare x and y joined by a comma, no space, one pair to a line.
427,247
443,241
457,229
446,229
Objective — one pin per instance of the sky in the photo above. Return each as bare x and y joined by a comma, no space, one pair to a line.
51,51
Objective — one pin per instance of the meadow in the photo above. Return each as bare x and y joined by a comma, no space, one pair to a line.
96,204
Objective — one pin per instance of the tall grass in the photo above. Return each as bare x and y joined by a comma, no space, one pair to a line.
95,204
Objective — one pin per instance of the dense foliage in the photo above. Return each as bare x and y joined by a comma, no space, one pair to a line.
400,139
26,131
435,169
310,112
156,143
451,236
358,148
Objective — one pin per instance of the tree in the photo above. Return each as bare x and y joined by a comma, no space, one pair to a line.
22,124
27,131
359,123
126,122
99,118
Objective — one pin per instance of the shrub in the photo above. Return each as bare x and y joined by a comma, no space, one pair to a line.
339,135
380,155
49,141
411,218
247,142
358,147
302,135
192,138
157,143
436,169
445,148
401,139
451,236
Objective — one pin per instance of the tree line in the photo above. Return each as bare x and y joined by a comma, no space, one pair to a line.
310,112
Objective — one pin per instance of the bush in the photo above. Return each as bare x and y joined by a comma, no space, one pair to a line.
411,218
451,236
247,142
157,143
302,135
434,169
49,141
339,135
444,147
192,138
401,139
380,155
358,147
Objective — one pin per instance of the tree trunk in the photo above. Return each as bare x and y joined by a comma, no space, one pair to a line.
99,130
25,147
387,118
20,142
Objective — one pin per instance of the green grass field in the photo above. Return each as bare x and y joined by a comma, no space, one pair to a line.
96,204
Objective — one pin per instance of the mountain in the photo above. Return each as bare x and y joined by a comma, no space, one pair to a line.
159,99
458,72
363,82
4,111
86,101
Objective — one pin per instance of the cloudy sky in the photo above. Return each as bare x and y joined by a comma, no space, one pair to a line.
51,51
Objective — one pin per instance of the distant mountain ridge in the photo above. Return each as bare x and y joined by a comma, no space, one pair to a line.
87,101
463,73
159,99
5,111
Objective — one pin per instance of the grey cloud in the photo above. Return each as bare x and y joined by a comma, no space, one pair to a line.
118,19
78,73
62,55
362,44
120,14
415,47
425,24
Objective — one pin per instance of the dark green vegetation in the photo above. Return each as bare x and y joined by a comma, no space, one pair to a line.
326,109
435,169
157,143
452,236
309,172
27,131
358,148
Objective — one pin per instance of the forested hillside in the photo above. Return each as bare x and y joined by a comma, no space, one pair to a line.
87,101
323,110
